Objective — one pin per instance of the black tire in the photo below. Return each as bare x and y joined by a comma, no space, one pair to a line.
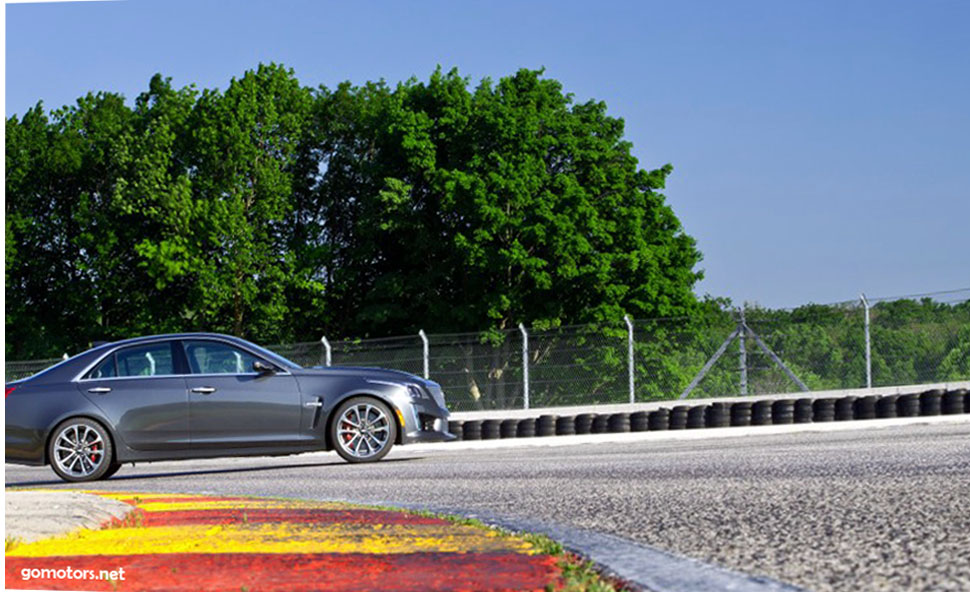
471,430
783,412
678,417
509,428
803,411
454,427
92,439
845,408
718,415
697,416
639,421
377,419
526,428
865,407
584,423
823,410
112,469
954,402
888,406
908,405
659,420
546,425
930,402
491,429
600,424
741,414
761,413
566,426
618,423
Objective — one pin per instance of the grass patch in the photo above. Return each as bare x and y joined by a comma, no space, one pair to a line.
133,519
10,542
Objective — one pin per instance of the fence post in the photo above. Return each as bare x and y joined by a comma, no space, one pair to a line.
629,355
424,341
865,305
326,348
525,366
743,354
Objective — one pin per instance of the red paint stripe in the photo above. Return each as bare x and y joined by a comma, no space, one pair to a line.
268,572
293,515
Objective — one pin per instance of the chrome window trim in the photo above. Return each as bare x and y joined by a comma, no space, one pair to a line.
78,378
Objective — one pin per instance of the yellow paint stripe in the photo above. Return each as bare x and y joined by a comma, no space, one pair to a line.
141,494
276,538
201,504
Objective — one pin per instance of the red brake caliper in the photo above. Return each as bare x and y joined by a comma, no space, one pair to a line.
94,457
347,437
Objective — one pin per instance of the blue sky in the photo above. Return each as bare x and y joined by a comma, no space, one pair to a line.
820,148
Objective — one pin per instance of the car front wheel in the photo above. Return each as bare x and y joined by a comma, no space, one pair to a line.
363,430
80,451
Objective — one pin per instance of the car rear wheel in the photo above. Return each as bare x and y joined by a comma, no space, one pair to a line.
363,430
112,469
81,451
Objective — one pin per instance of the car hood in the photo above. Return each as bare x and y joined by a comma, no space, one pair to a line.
362,371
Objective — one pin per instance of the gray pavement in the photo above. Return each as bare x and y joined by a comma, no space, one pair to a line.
881,509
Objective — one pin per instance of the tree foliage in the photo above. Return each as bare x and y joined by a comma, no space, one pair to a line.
279,212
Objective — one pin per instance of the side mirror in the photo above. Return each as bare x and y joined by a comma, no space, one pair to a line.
263,368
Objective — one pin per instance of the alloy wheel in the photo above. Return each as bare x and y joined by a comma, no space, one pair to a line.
78,451
363,430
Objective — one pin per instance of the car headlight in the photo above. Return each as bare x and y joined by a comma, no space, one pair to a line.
413,390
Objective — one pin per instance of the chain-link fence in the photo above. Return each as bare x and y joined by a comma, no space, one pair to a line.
23,369
736,352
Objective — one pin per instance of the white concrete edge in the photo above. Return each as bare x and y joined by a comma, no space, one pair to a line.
680,435
653,405
31,514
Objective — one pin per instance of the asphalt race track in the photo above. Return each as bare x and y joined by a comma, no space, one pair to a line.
877,509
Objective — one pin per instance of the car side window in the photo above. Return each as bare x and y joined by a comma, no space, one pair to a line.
144,360
105,369
212,357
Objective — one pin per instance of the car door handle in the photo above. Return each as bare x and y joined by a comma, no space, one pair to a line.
204,390
99,390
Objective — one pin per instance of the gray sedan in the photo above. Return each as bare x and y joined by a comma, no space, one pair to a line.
201,395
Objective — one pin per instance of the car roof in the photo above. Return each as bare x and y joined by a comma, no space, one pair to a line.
136,340
69,368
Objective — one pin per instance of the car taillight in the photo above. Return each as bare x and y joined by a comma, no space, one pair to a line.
8,390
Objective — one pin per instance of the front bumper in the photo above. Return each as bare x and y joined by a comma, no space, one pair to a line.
425,422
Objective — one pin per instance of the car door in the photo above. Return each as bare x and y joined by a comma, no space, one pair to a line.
141,393
232,406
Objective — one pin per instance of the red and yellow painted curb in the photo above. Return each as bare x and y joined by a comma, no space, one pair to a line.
192,542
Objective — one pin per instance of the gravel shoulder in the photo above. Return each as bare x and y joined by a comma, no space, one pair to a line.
35,515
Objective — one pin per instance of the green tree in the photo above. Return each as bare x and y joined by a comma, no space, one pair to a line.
492,207
226,234
69,269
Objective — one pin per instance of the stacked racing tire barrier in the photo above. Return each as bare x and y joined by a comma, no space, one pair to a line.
584,423
714,415
526,428
954,402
